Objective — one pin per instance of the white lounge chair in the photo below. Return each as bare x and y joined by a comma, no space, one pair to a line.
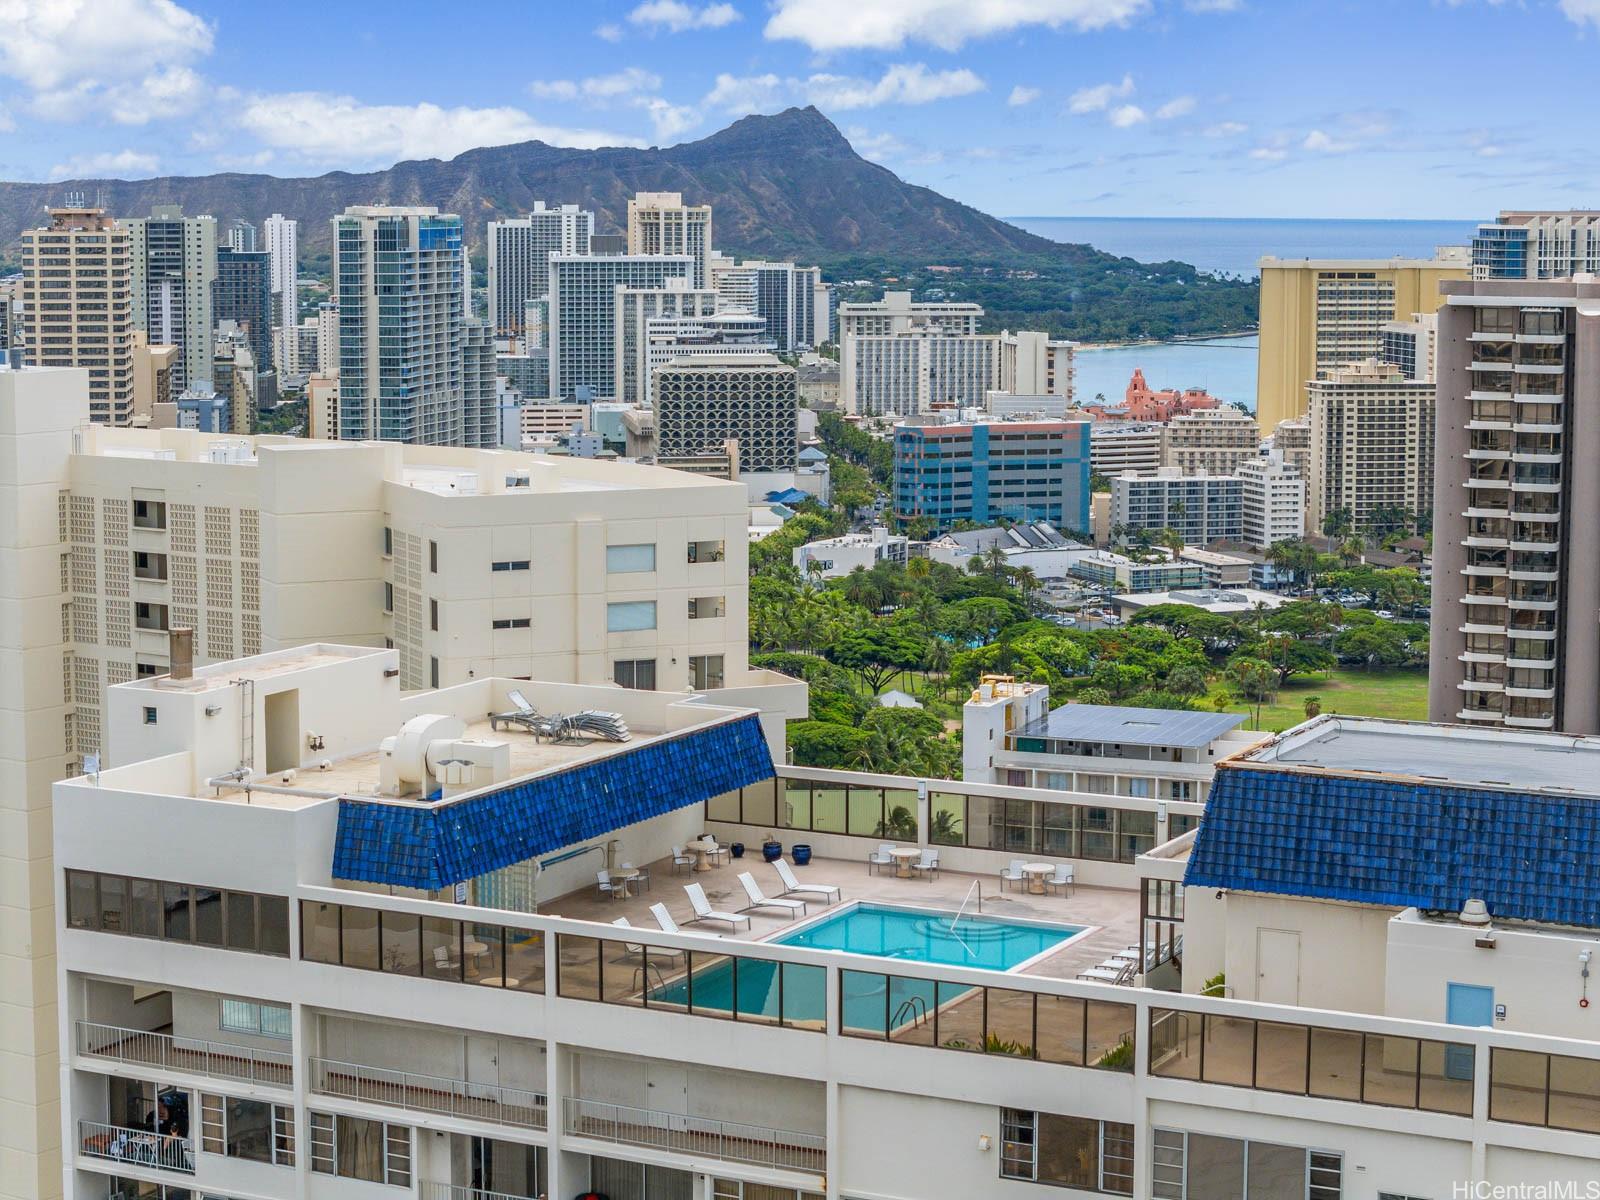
680,859
668,925
793,887
703,910
757,900
1101,975
1013,874
1062,879
928,864
880,857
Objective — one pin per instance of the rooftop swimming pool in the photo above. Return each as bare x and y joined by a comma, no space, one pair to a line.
757,989
925,935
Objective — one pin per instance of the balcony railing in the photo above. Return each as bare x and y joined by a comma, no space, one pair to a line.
430,1093
432,1190
136,1147
215,1060
697,1136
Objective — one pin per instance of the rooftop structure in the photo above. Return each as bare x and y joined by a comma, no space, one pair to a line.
1212,599
1123,726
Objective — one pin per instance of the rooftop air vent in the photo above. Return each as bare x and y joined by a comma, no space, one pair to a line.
1474,912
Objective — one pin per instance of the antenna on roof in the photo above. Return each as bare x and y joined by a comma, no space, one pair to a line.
74,199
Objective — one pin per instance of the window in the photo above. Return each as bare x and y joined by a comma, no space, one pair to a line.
399,943
1096,1156
433,672
149,670
149,566
388,596
433,558
629,615
149,715
627,560
511,623
705,671
249,1129
150,616
638,673
433,616
249,1016
707,551
357,1148
178,912
388,542
1195,1164
149,514
703,607
512,564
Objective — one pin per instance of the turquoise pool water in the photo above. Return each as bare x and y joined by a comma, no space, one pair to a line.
918,936
759,990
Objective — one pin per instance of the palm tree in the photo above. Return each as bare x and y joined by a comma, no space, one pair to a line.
938,662
1312,706
994,559
1351,550
1028,583
919,568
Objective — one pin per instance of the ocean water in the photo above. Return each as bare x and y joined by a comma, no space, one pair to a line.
1225,367
1231,245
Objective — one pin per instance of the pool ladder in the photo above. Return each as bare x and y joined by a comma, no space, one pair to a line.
916,1008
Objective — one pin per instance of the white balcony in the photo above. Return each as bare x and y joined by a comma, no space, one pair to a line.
135,1147
696,1137
429,1093
214,1060
1531,722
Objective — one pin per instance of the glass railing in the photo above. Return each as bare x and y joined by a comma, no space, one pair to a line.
406,943
1553,1090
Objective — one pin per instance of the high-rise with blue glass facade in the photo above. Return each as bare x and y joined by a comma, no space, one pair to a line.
1537,245
242,293
397,280
990,471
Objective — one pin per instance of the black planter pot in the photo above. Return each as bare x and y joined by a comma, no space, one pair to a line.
737,849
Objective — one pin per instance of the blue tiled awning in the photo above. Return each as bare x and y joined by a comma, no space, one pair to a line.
1395,843
439,845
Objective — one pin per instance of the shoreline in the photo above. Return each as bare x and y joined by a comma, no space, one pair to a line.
1179,340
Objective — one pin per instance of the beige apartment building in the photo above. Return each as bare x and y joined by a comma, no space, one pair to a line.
1371,443
661,223
1211,441
1292,439
469,563
1320,314
77,305
152,377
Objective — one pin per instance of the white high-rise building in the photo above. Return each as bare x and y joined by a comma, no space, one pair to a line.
661,223
282,236
327,338
1035,364
174,261
1372,438
471,563
700,406
584,310
899,358
519,253
1537,245
1273,498
636,307
730,337
780,293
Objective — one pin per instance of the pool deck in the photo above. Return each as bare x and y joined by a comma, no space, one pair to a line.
1112,912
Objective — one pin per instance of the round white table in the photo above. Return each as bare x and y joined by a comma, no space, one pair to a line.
621,877
1037,873
903,857
703,849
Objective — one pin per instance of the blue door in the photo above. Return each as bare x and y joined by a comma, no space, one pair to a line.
1465,1004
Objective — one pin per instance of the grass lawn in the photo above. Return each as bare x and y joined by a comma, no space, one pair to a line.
1401,694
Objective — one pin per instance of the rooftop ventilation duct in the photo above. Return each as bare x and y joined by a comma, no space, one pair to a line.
1474,912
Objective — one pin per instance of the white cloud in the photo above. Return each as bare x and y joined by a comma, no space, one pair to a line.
669,120
876,146
829,25
554,89
1320,142
1021,95
1125,115
677,17
1580,12
1269,153
1226,129
1099,97
1489,151
610,31
1213,6
328,128
630,81
903,83
1178,106
48,43
746,94
120,165
7,121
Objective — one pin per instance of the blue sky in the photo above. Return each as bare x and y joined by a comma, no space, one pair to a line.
1286,108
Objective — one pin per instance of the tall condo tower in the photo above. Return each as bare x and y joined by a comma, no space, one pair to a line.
174,270
519,259
661,223
282,235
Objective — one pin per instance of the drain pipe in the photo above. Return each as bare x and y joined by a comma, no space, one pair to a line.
232,781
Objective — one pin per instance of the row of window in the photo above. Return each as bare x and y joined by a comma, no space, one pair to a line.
700,983
401,943
1076,1152
253,1130
178,912
1189,1166
987,1020
358,1148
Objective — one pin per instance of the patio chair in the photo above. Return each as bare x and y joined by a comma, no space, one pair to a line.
880,857
753,891
1062,879
680,859
443,960
703,910
928,864
1012,874
637,950
642,877
793,887
607,888
718,854
668,925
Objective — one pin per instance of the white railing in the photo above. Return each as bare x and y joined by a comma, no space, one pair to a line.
215,1060
457,1191
696,1136
136,1147
429,1093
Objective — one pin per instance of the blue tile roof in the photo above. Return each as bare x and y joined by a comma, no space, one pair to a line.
1398,843
439,845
